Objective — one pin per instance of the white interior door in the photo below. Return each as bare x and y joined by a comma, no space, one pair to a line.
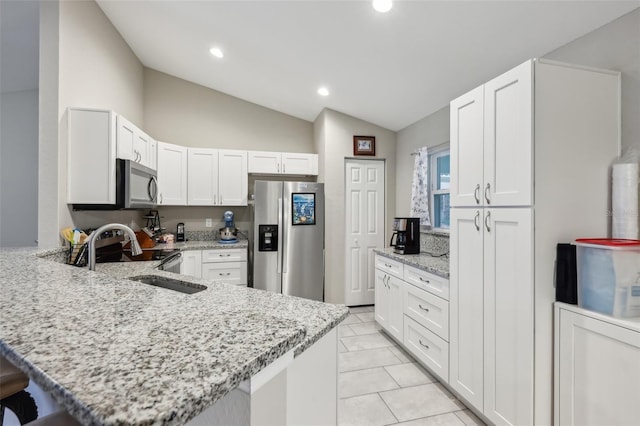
364,214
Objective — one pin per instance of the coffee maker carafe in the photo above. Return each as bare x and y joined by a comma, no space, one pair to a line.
407,235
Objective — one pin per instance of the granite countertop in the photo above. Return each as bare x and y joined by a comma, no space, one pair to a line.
116,351
438,265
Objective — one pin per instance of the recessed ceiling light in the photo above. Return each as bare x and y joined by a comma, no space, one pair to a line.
323,91
216,52
382,6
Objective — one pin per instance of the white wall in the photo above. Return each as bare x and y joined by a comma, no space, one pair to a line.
336,131
431,131
19,168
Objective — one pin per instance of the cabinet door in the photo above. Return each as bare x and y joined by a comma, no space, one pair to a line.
299,164
153,154
141,148
381,306
396,307
466,305
508,137
172,174
232,178
508,316
191,263
125,139
467,123
598,372
264,162
202,186
92,134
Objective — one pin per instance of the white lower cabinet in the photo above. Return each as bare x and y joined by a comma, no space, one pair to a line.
410,308
191,263
220,265
491,334
597,368
427,347
388,303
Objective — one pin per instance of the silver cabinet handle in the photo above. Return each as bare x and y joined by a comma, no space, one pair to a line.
387,265
278,167
224,255
486,221
423,308
475,221
284,168
420,341
476,194
486,193
224,274
161,198
424,281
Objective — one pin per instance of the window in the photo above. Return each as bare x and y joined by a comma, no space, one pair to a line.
440,178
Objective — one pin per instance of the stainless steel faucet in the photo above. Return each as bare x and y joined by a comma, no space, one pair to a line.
135,246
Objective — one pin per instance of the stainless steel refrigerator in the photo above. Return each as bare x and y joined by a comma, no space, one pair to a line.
288,238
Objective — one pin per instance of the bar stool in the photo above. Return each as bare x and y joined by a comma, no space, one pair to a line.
13,395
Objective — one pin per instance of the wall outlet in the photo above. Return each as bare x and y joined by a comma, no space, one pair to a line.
208,222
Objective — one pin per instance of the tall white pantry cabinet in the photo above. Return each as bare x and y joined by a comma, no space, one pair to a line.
530,157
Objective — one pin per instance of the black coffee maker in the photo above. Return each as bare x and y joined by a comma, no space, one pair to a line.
406,231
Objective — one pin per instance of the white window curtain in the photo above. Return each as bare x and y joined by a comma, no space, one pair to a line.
420,187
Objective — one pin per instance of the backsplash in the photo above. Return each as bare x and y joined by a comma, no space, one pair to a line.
434,242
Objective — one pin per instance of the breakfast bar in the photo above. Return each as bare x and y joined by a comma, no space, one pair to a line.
116,351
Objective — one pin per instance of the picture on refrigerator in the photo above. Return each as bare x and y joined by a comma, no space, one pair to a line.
303,208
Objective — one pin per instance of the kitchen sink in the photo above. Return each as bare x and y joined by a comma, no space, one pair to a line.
169,283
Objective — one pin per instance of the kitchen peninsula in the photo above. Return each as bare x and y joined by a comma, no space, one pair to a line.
115,351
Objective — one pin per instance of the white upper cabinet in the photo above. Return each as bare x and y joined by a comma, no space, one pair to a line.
217,177
91,156
279,163
172,175
134,144
491,142
202,186
299,164
233,182
467,150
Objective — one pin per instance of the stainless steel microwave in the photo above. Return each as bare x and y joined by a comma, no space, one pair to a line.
136,188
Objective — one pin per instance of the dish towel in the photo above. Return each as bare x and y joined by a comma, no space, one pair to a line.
420,188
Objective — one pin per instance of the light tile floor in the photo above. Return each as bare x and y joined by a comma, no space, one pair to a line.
380,384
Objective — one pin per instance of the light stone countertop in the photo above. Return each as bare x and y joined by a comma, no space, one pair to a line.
438,265
115,351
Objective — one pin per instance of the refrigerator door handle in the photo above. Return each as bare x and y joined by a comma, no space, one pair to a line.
284,218
280,237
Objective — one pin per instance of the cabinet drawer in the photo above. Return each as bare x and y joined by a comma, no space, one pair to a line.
428,348
426,281
224,255
390,266
227,272
428,310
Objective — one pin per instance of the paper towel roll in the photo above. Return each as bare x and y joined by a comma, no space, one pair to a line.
625,201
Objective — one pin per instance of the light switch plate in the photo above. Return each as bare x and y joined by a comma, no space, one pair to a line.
208,222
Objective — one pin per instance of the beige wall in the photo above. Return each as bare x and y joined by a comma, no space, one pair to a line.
95,68
184,113
336,131
431,131
614,46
